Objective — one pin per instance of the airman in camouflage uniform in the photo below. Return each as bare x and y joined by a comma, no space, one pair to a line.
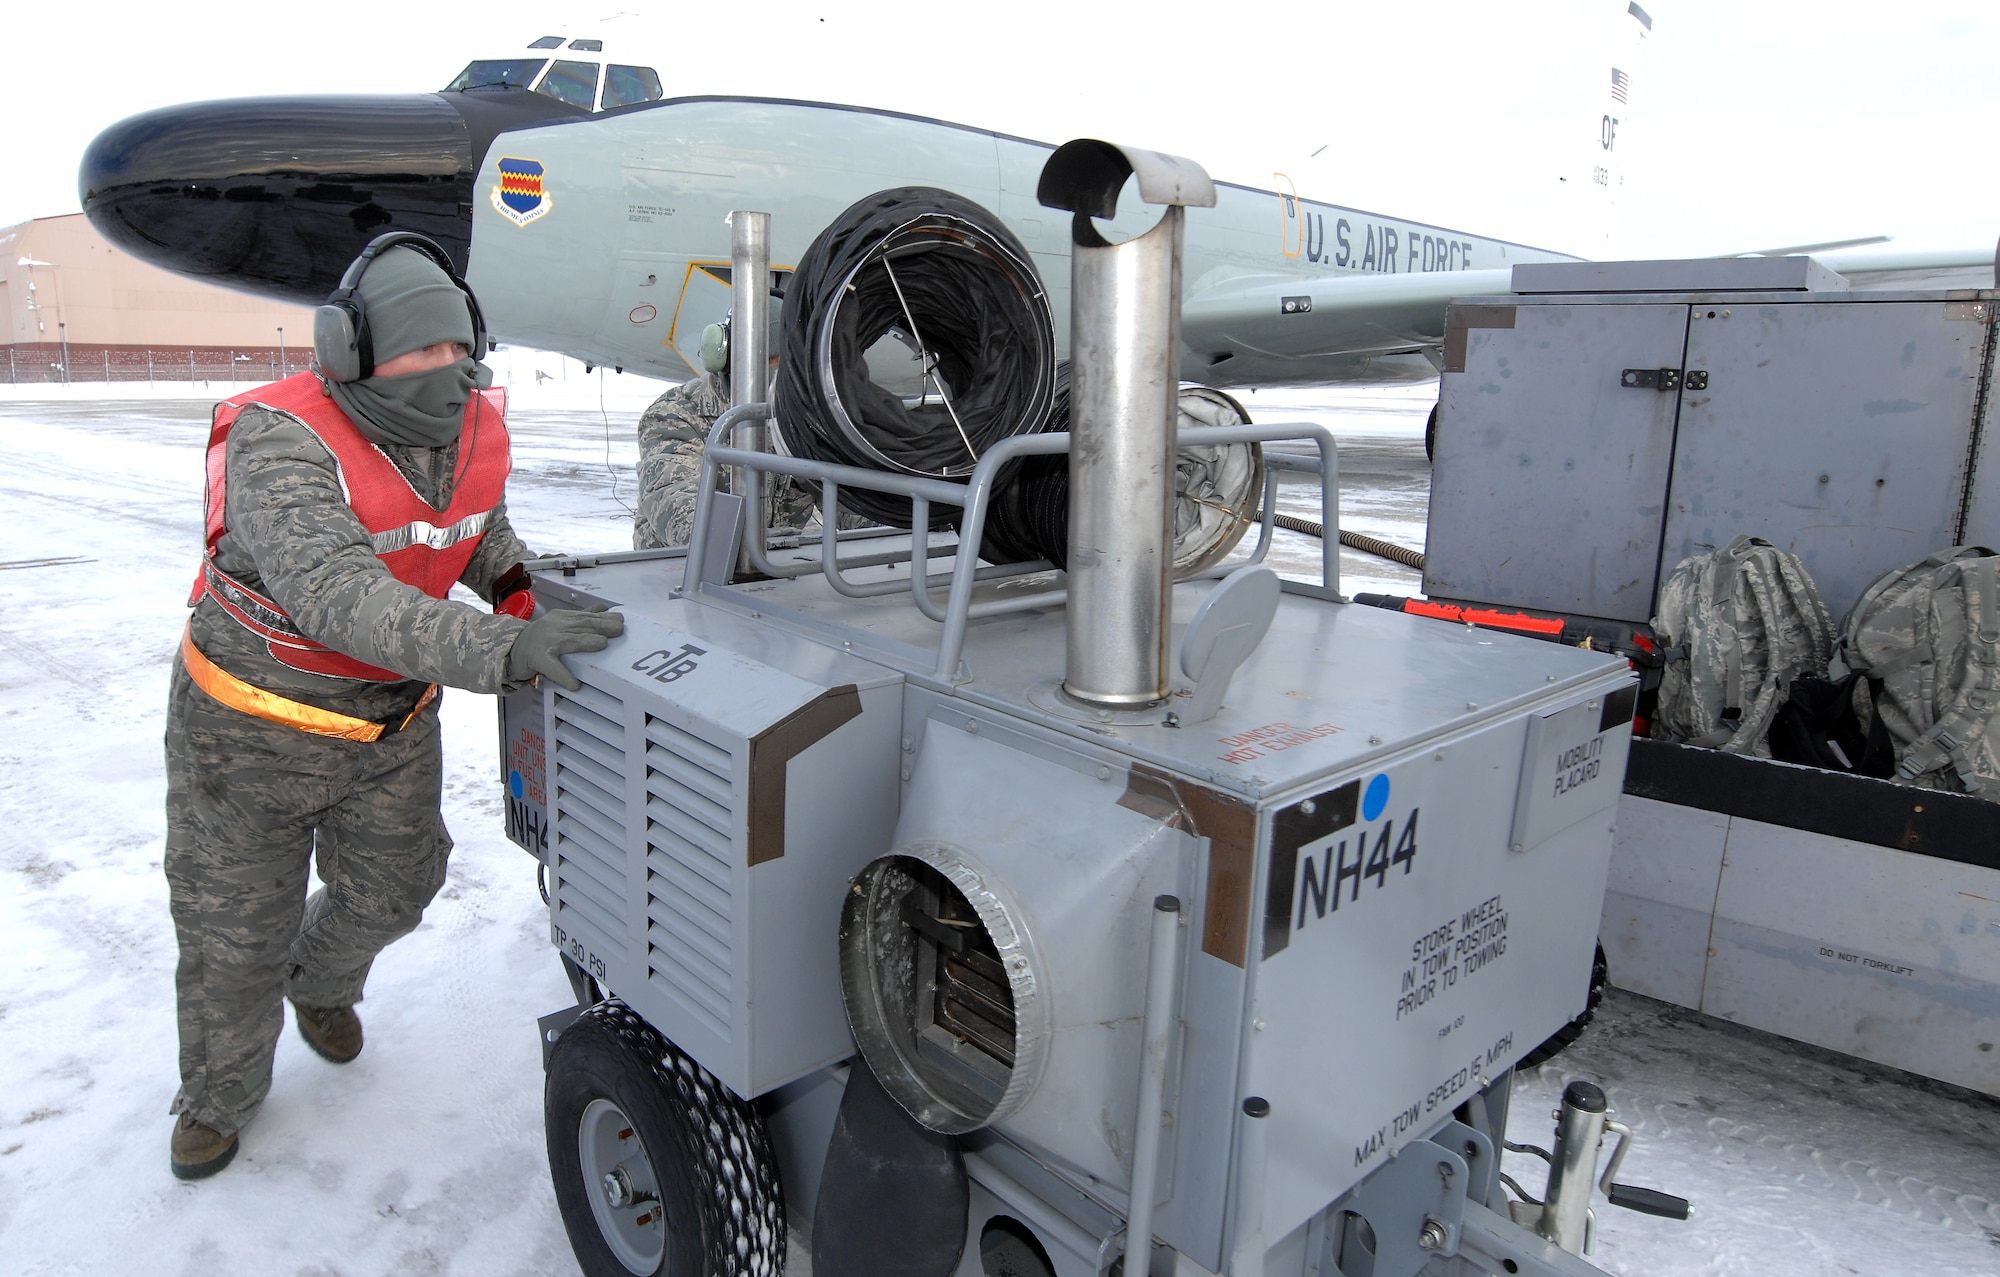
673,434
251,799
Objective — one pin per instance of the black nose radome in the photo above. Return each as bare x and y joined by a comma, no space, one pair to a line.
275,196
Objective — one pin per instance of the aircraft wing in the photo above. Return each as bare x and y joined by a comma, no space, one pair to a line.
1960,268
1279,330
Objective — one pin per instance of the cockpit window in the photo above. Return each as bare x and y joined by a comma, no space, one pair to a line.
624,86
501,73
547,42
571,82
587,46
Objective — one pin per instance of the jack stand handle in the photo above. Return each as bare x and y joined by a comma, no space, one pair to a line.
1624,1145
1580,1127
1649,1201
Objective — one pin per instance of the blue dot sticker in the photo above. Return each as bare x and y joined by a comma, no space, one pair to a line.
514,783
1376,797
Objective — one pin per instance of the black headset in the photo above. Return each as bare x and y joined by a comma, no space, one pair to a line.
343,348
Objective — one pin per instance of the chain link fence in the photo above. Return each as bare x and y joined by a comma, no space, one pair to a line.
50,364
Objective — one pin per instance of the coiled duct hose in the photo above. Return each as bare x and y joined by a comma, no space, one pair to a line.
1353,540
945,275
1215,487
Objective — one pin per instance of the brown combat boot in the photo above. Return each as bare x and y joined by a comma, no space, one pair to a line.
334,1032
197,1151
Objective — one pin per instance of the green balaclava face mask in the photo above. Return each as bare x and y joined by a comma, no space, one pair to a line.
410,304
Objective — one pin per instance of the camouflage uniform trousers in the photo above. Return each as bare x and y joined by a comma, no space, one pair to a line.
248,803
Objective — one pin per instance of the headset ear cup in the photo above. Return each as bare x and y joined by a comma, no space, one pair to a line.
715,348
479,341
335,343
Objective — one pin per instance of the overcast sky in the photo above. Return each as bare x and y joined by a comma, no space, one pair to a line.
1752,123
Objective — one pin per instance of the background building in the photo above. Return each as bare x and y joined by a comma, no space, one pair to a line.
76,309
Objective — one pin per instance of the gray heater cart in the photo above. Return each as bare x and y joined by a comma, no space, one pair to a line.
1239,970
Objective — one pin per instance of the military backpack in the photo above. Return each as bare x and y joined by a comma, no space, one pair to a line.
1737,626
1926,640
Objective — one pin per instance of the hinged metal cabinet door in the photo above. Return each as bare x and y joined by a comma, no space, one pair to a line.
1837,430
1550,477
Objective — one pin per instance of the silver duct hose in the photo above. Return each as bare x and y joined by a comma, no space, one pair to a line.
1216,490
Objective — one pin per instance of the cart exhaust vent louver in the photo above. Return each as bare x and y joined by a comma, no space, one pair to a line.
691,809
969,1031
589,776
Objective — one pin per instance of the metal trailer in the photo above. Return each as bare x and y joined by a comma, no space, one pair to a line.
1227,943
1613,418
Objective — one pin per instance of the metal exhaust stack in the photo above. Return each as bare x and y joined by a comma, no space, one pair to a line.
749,367
1125,313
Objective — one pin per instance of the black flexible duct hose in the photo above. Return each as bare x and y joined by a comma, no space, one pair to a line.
914,258
1028,517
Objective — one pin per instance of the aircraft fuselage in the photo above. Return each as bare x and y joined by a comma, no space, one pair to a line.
604,236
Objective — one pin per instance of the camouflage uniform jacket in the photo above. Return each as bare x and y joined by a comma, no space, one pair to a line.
292,537
673,435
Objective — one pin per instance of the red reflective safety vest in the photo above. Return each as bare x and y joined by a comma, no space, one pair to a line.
419,544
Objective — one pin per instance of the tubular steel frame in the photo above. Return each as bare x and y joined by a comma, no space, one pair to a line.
974,497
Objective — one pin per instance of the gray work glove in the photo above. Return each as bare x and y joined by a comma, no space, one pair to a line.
539,648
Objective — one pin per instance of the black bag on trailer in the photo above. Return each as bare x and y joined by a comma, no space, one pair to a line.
1819,726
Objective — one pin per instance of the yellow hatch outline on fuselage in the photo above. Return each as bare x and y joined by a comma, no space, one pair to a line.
1291,238
710,269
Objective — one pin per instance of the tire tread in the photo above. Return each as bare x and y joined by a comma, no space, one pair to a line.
737,1192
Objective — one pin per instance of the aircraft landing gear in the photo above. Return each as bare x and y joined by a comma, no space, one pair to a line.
1431,435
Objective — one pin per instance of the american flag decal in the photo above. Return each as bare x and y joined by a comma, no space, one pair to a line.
1621,84
518,195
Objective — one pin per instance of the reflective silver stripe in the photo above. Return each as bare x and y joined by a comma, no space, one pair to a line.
422,533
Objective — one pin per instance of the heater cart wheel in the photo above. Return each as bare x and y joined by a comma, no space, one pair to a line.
659,1170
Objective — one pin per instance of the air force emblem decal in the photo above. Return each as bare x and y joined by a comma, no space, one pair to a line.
518,195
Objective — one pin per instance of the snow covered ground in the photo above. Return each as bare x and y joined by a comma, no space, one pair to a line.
426,1154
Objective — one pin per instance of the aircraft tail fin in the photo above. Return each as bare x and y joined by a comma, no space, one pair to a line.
1594,172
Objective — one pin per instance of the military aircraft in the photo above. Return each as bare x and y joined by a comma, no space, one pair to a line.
588,211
